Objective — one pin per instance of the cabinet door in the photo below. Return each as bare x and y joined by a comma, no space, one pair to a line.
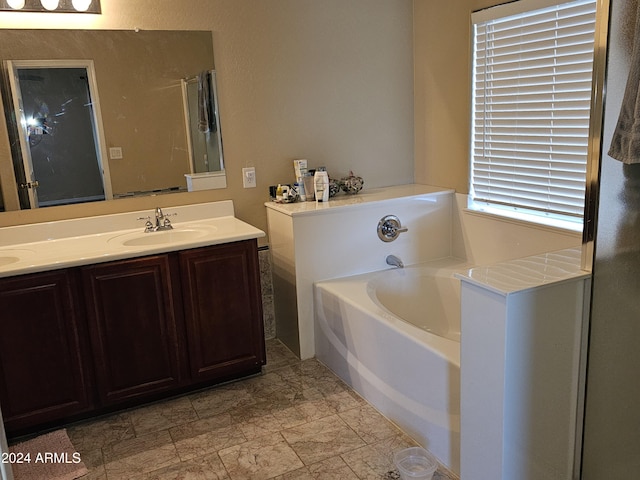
43,361
131,307
223,310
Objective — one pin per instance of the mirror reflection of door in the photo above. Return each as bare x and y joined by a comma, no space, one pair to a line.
205,138
59,128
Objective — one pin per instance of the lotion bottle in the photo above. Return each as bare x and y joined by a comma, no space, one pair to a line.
299,187
321,184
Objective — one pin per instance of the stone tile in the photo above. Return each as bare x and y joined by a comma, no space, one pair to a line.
313,405
93,435
209,467
275,420
268,316
322,439
246,413
266,278
443,474
316,404
138,456
206,436
273,386
296,421
221,399
95,473
344,400
278,355
375,461
369,424
92,459
161,416
312,374
385,450
331,469
312,370
262,458
300,474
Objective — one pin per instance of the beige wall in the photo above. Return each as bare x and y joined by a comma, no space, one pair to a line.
330,81
442,57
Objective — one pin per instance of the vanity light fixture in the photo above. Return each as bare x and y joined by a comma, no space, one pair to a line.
62,6
16,4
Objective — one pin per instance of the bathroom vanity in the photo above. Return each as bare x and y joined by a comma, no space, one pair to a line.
127,318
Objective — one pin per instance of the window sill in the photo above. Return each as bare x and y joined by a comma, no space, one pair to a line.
531,221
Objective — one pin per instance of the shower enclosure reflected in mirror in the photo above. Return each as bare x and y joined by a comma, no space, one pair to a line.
203,122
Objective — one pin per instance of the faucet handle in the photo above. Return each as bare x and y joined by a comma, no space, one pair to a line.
389,227
166,222
148,226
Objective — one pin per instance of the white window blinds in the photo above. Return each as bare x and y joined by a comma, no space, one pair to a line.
531,105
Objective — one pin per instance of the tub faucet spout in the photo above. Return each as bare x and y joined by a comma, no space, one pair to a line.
394,261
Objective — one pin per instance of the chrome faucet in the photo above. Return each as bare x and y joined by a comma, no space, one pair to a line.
162,222
394,261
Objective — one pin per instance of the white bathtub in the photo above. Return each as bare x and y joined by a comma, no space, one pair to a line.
409,370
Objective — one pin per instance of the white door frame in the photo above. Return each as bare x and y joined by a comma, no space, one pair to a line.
12,66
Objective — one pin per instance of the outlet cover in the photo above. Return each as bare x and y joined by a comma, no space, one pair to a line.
249,177
115,153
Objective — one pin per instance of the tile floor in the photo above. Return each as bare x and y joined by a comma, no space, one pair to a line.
295,421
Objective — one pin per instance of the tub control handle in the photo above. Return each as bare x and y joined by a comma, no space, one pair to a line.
389,227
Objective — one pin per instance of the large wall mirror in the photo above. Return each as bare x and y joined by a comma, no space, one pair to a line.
141,90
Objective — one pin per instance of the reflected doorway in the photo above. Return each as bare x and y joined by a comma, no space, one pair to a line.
60,133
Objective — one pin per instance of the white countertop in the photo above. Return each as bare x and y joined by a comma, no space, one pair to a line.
526,273
68,243
363,197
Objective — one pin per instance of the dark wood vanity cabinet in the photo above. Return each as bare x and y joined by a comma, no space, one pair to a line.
134,313
221,291
100,337
43,350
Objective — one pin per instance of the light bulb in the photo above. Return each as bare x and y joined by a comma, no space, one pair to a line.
16,4
81,5
50,4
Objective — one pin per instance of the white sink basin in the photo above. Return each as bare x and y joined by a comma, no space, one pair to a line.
163,237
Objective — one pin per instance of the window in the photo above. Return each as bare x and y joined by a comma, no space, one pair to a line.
532,74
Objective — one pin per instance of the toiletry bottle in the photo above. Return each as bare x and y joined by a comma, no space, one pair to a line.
279,193
301,192
321,184
309,189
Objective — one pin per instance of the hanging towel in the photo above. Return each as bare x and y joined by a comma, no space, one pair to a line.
205,112
625,144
